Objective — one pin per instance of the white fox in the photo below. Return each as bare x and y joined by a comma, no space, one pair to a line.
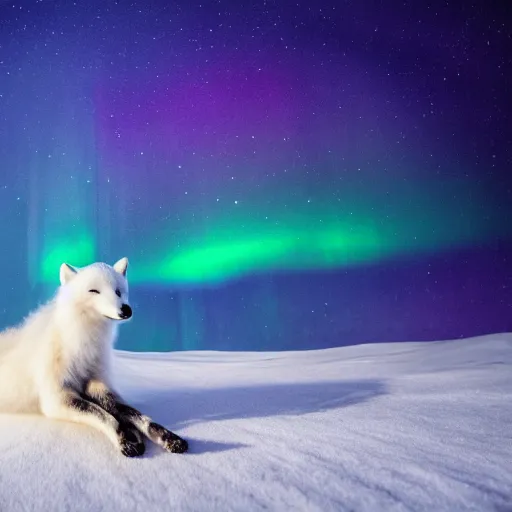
57,361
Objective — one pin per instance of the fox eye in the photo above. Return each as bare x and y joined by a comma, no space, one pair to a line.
118,293
94,291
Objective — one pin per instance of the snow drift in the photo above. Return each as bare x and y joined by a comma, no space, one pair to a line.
397,426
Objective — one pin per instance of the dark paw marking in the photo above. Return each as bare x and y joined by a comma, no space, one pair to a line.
169,440
132,450
130,444
173,443
131,433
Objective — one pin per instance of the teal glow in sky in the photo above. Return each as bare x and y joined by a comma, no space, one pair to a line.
243,152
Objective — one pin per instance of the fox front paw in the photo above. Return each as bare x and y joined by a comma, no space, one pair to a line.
167,439
130,444
173,443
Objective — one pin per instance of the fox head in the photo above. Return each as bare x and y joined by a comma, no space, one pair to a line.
98,289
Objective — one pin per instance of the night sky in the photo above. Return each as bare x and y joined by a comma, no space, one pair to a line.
281,175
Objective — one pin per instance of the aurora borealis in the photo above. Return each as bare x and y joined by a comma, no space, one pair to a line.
325,174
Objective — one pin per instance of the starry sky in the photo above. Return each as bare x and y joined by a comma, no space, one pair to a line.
282,175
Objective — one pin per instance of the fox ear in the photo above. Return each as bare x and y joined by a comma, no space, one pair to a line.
121,266
67,272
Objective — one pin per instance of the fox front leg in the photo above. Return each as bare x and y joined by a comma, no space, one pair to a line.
99,393
96,394
69,405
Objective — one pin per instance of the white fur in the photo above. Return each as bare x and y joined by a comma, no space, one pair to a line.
57,361
64,343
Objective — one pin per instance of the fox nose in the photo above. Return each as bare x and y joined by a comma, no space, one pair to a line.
126,311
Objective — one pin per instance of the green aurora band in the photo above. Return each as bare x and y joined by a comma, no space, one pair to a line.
365,226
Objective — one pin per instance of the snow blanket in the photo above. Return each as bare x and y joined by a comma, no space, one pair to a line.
393,426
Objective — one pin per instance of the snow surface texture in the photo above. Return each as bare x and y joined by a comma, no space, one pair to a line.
400,426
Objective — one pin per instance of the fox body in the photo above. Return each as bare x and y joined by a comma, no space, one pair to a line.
57,361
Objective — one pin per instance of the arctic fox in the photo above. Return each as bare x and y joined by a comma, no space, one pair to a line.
57,361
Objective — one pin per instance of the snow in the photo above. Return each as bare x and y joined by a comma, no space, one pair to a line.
395,426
